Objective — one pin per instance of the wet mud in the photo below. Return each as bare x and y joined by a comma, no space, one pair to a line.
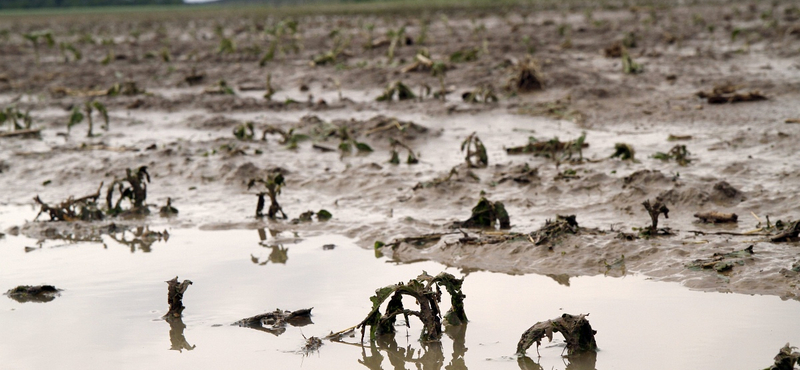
334,144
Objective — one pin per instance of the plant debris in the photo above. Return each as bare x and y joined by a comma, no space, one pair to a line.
486,214
722,262
715,217
168,210
576,330
555,229
322,215
135,192
482,94
786,359
395,159
559,109
312,345
84,208
397,88
426,290
175,292
554,149
654,210
624,152
790,233
628,65
677,153
724,94
522,174
275,322
526,76
474,148
33,293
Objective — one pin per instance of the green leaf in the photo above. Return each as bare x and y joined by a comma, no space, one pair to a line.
75,118
362,147
324,215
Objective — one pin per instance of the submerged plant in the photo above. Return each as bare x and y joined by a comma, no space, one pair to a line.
474,148
654,210
411,159
132,187
272,183
349,142
624,152
482,94
397,88
486,214
679,153
426,290
526,76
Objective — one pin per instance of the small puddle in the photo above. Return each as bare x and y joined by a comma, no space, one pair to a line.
114,295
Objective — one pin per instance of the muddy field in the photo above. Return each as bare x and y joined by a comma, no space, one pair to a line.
704,98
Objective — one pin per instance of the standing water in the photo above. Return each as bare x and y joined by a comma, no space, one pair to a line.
109,312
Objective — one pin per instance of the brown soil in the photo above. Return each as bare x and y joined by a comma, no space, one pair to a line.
743,155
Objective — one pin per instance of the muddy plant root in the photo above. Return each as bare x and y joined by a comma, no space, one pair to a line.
575,328
175,292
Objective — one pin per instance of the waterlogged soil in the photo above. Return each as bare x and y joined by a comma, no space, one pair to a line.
743,157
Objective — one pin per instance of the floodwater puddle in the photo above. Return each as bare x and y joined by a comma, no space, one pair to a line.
113,298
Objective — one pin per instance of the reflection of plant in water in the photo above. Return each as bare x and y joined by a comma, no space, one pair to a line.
431,356
279,254
142,238
177,340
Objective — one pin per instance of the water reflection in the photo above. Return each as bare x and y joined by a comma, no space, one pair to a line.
279,254
586,361
141,237
429,357
177,340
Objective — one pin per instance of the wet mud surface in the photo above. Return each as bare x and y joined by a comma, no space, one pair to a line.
742,156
